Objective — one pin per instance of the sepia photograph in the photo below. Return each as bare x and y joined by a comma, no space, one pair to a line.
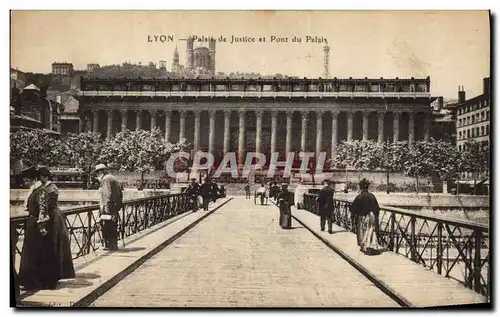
250,159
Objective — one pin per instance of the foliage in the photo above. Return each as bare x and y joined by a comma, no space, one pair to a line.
433,159
361,155
35,147
476,156
392,156
138,151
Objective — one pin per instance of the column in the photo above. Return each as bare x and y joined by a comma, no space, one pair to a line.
427,127
411,128
381,127
258,131
241,141
123,113
138,120
303,130
81,123
365,125
396,126
153,119
95,123
88,123
211,132
110,124
227,122
196,141
335,114
350,116
274,126
289,115
167,125
182,124
319,128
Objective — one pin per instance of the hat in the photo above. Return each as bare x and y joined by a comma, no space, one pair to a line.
30,172
284,186
364,183
43,171
100,167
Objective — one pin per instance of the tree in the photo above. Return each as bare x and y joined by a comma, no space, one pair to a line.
83,150
34,147
138,151
360,155
475,158
432,158
391,158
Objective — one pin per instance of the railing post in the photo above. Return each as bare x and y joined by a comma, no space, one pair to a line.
89,231
392,235
413,239
477,261
439,255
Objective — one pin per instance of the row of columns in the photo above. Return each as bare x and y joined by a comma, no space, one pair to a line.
274,115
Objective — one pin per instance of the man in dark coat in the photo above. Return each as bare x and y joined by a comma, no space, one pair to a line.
284,203
206,191
111,203
193,191
215,190
364,204
325,205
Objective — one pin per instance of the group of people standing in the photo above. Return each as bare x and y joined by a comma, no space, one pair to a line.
201,195
46,253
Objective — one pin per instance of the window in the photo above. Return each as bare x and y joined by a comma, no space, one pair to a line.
459,148
460,135
477,117
468,120
482,130
468,133
472,119
487,129
472,132
477,131
487,115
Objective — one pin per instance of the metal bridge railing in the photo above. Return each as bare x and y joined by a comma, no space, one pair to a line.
454,248
83,222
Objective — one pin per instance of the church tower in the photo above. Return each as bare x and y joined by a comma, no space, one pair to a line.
189,53
211,47
175,62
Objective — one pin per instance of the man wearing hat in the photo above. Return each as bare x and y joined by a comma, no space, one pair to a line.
111,203
325,204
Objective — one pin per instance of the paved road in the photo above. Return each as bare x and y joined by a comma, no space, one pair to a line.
240,257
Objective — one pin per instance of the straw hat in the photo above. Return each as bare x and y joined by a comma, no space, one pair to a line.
100,167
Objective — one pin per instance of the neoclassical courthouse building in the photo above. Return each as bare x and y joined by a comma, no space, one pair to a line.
263,115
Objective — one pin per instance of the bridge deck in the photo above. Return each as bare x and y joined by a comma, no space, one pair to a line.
238,256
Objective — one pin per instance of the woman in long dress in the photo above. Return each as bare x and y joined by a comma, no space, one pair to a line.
365,210
284,206
46,254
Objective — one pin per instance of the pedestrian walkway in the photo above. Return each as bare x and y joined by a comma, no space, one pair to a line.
240,257
411,282
99,273
237,255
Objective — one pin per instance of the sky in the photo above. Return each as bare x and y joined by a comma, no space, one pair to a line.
452,47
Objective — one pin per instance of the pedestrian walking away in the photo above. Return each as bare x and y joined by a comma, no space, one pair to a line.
325,205
247,191
206,191
111,203
284,206
366,209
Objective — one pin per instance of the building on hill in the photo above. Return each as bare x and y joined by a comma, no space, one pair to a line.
63,69
91,67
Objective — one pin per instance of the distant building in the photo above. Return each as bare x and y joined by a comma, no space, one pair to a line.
199,60
63,69
443,123
92,67
31,109
473,116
